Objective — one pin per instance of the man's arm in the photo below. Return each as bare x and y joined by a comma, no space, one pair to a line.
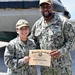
32,36
69,36
69,44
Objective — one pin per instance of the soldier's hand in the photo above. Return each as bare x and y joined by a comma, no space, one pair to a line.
26,59
55,53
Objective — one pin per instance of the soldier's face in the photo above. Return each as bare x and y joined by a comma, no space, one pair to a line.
23,32
46,9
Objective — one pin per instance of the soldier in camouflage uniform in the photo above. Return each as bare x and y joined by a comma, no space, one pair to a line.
16,54
51,32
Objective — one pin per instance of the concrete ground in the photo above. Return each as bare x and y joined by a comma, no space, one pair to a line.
3,67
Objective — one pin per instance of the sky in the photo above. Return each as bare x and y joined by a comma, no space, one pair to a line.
70,6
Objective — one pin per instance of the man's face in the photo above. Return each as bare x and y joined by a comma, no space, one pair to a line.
46,10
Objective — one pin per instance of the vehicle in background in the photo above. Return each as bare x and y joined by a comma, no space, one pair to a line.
13,10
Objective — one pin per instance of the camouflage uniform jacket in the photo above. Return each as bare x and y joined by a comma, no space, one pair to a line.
13,57
57,34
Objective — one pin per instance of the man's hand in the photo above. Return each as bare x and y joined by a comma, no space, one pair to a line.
55,53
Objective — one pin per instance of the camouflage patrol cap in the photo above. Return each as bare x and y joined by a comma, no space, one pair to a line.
21,23
45,1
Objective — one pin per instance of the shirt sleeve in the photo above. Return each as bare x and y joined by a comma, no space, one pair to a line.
32,36
69,36
11,60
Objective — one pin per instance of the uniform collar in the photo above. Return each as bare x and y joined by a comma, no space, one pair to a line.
23,43
51,21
